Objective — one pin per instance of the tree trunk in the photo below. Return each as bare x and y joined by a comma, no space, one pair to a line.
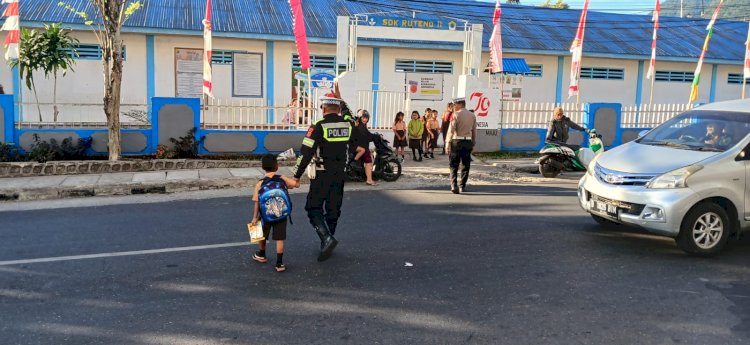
54,101
38,107
113,85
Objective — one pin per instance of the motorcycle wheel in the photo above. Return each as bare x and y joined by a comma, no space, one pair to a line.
548,170
390,170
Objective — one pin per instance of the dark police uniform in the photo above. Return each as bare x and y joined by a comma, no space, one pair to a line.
327,141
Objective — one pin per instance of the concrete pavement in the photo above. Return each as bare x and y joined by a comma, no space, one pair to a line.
427,173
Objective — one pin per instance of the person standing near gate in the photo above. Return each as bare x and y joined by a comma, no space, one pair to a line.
462,136
326,145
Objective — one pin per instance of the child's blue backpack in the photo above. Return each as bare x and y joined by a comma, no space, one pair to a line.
273,197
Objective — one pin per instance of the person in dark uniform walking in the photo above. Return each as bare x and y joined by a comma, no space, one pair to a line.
462,136
326,145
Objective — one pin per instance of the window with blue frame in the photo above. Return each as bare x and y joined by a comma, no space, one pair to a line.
602,73
90,52
316,61
674,76
424,66
536,71
736,78
222,57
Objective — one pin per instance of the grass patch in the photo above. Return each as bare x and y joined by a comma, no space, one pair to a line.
508,154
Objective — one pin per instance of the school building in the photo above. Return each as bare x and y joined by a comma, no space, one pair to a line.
255,62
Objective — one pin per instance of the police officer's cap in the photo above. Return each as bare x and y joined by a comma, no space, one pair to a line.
330,99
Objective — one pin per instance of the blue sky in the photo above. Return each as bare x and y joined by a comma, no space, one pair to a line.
620,6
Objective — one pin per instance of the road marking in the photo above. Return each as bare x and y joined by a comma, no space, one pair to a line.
109,255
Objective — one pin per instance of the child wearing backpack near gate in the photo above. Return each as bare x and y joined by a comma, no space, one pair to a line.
273,208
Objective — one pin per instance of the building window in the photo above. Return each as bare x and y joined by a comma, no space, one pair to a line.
674,76
89,52
602,73
736,78
536,71
222,57
316,61
424,66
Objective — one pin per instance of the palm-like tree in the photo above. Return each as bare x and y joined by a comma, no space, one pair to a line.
59,52
29,60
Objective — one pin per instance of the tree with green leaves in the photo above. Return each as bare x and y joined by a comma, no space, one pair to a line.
59,50
107,21
559,5
30,59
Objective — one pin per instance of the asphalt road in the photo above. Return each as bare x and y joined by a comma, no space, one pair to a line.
510,264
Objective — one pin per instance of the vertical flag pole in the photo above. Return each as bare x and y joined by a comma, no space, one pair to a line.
652,65
496,58
12,26
746,72
577,50
208,85
697,77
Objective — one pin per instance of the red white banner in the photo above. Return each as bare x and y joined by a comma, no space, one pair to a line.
652,66
12,26
300,35
496,42
208,86
747,55
577,49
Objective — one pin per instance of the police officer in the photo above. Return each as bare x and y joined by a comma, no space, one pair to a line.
462,136
327,142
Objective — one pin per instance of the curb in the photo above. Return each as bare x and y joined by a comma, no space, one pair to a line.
130,188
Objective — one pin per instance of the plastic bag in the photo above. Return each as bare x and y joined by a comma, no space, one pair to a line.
256,232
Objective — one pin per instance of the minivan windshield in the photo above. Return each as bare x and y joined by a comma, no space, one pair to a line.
700,130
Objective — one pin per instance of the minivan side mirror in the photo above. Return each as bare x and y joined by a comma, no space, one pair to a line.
742,155
643,133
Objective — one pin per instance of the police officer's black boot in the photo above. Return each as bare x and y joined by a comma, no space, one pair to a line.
327,242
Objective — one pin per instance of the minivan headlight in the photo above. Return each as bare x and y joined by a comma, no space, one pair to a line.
674,179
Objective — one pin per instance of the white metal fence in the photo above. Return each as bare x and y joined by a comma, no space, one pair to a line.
536,115
79,115
648,116
388,104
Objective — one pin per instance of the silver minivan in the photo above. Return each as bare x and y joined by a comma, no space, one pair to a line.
687,179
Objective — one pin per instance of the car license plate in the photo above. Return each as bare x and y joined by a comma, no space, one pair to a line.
605,209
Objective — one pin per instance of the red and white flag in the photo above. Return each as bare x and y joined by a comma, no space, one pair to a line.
747,55
577,49
496,42
652,66
300,35
12,26
208,86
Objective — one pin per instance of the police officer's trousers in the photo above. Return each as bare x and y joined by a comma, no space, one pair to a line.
460,154
324,200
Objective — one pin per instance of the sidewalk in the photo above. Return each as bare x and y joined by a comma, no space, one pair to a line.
429,172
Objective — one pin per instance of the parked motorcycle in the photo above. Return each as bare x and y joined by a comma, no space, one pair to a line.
558,157
386,165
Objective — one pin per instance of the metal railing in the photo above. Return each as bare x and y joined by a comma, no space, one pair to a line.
388,104
648,116
536,114
255,115
79,115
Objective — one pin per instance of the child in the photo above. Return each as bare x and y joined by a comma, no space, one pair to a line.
433,130
270,166
399,135
416,129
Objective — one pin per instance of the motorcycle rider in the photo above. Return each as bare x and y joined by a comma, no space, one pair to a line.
557,130
328,141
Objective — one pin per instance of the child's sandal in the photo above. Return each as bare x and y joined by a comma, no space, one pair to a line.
257,257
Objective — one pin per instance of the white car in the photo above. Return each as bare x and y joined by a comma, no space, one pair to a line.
686,179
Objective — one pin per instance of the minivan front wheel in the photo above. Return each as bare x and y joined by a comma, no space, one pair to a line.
704,230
